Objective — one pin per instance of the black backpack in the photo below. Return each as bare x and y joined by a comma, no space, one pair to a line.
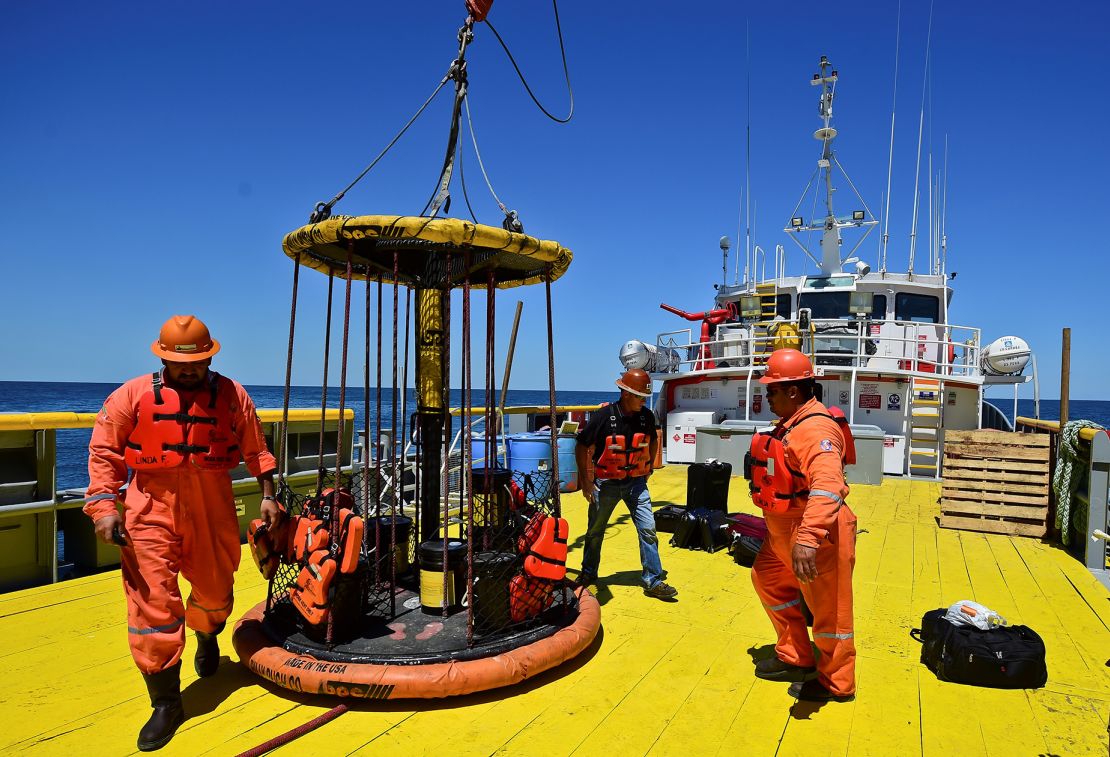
1007,657
701,529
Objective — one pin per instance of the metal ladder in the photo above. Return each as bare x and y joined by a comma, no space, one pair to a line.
768,308
926,415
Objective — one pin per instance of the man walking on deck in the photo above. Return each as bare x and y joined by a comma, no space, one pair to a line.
179,431
622,443
810,550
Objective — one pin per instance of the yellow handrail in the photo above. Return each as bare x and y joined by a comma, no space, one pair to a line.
43,421
521,409
1086,434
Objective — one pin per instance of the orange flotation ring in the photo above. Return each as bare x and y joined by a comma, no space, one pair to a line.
303,673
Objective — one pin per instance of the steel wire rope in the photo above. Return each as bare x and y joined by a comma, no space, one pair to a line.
442,196
510,215
378,463
333,509
283,454
566,71
366,442
462,183
325,208
467,446
445,420
396,472
556,482
324,385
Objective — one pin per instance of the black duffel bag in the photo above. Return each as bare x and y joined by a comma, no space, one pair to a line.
1006,657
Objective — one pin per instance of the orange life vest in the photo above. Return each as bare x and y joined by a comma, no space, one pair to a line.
773,484
311,594
544,546
621,458
165,435
529,596
322,556
268,545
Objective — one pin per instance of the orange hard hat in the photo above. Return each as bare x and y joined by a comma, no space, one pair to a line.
184,339
787,365
636,381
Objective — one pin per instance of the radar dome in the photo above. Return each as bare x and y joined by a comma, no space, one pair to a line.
1004,356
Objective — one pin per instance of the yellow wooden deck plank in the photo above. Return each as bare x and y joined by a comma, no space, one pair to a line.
682,669
637,721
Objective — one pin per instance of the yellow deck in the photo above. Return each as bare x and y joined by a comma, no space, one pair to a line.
663,678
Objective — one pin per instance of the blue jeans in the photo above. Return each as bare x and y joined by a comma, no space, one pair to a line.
635,494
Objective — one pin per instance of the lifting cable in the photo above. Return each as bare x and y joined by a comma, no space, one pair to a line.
324,385
566,71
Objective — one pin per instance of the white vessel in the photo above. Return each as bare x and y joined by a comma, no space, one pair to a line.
882,344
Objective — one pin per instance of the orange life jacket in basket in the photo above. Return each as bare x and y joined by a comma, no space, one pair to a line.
311,594
544,546
268,546
166,435
773,484
529,596
621,458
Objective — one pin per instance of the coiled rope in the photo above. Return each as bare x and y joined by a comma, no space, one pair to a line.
1065,479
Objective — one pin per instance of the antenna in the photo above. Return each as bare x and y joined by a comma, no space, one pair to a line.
739,226
944,212
890,159
748,139
920,131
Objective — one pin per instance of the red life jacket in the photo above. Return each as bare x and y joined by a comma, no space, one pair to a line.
773,484
165,435
529,596
544,545
311,594
621,458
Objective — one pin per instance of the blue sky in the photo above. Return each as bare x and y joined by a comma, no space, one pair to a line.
153,156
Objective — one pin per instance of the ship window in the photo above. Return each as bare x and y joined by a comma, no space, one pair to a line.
878,308
782,306
826,304
919,308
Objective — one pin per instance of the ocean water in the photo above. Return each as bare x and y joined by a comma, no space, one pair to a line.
25,396
72,454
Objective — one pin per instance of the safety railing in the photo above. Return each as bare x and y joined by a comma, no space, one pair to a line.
862,343
1088,529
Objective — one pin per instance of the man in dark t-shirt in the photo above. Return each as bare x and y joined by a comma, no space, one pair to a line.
621,442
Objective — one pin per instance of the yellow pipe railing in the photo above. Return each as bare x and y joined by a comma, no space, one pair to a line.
43,421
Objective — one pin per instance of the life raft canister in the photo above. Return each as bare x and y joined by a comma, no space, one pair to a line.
165,435
773,484
621,458
544,546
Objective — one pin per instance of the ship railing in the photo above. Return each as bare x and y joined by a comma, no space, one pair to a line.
946,350
1089,513
37,520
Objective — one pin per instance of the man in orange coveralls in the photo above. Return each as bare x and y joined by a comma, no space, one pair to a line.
811,540
180,431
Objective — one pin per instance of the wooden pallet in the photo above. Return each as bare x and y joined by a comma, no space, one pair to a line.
996,481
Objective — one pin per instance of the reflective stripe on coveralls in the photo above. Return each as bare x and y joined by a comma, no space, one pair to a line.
827,523
179,520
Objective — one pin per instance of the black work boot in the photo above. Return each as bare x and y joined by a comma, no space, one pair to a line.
165,697
774,669
207,659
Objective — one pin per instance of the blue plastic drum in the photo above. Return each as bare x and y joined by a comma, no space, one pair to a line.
478,452
530,454
568,466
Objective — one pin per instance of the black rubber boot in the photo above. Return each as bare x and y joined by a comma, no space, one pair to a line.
207,660
165,698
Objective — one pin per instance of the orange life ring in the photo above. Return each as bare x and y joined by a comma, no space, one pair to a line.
303,673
